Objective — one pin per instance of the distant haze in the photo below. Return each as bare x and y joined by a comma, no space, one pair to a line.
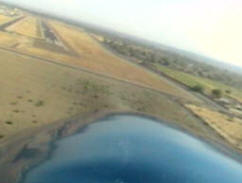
208,27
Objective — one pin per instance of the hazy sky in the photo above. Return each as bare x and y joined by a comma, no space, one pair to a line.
209,27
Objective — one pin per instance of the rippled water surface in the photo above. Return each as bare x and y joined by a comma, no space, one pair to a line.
132,149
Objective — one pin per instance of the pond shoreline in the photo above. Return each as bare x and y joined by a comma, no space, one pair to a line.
41,142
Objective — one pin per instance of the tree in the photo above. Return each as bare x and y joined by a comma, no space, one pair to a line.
217,93
228,91
197,88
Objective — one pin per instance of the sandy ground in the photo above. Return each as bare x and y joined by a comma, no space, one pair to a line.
230,128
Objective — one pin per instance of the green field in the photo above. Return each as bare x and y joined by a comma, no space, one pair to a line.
208,85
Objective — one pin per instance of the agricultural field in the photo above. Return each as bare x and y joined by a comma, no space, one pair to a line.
28,26
208,85
228,127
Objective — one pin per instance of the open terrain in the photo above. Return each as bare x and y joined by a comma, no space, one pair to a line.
42,70
36,93
209,85
52,72
219,89
228,127
68,45
28,26
4,19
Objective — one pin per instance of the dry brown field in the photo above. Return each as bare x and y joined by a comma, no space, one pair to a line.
97,59
34,93
28,27
4,19
230,128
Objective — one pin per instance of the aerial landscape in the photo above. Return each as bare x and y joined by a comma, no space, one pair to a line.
57,77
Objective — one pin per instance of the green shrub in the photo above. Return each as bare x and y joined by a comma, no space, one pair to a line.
9,122
228,91
39,103
217,93
197,88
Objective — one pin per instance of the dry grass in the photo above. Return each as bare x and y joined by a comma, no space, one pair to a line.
27,27
228,127
8,40
4,19
91,55
95,58
35,93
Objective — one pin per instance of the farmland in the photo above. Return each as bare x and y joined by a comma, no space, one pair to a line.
208,85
